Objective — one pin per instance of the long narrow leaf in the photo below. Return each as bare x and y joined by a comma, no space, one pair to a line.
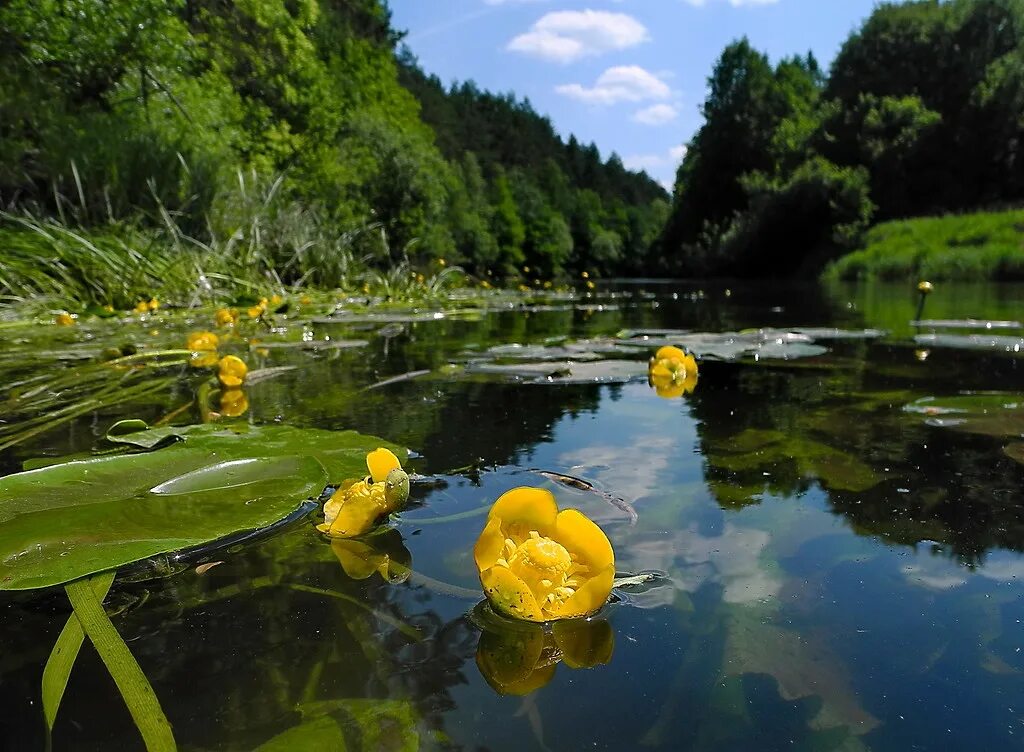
65,651
131,682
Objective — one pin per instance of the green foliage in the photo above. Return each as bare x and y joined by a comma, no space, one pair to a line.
922,113
69,520
983,245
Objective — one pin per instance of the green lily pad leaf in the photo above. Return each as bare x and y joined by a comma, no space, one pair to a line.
66,521
966,324
135,432
993,342
566,372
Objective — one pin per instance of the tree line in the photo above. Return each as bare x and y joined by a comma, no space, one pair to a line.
922,112
189,112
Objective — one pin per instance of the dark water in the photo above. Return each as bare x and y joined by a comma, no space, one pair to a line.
840,572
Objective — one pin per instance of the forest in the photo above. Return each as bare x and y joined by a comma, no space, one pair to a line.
301,141
921,113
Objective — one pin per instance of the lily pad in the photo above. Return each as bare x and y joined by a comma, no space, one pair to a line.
966,324
566,372
996,342
65,521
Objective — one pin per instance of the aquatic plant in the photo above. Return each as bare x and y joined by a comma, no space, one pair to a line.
672,372
231,371
357,505
539,564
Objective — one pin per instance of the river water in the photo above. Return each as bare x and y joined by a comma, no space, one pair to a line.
833,521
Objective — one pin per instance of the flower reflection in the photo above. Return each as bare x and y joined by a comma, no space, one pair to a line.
516,658
231,371
539,564
233,403
356,506
672,373
383,552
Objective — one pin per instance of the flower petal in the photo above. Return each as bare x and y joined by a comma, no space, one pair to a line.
670,353
524,509
509,595
583,537
355,518
488,545
380,462
659,372
590,597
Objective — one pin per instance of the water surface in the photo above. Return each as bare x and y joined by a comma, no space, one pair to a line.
840,553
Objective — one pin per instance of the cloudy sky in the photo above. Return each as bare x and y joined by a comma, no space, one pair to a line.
629,75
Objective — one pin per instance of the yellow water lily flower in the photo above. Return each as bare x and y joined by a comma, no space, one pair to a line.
202,341
520,658
356,506
153,304
539,564
225,317
142,307
204,359
924,287
672,372
276,300
64,319
383,553
590,284
233,402
231,371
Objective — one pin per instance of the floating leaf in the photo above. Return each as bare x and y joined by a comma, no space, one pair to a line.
66,521
568,372
991,414
1000,343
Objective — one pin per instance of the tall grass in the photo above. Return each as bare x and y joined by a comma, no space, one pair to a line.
978,246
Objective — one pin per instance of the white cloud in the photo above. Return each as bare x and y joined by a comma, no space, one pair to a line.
565,36
623,83
671,158
656,114
643,161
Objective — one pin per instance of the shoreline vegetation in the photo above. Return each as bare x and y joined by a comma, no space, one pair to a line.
199,151
965,247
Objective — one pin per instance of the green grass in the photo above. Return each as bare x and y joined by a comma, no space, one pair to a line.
978,246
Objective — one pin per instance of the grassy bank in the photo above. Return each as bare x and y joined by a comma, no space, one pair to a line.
979,246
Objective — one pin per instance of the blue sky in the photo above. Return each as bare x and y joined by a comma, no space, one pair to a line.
629,75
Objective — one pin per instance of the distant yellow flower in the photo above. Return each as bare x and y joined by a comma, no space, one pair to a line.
518,658
539,564
153,304
924,287
485,284
259,309
226,317
202,341
356,506
64,319
276,300
204,359
420,278
672,372
305,300
590,284
441,262
108,308
231,371
142,307
383,553
526,270
547,285
233,402
585,275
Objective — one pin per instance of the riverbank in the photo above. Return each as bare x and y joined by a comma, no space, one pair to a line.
976,246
